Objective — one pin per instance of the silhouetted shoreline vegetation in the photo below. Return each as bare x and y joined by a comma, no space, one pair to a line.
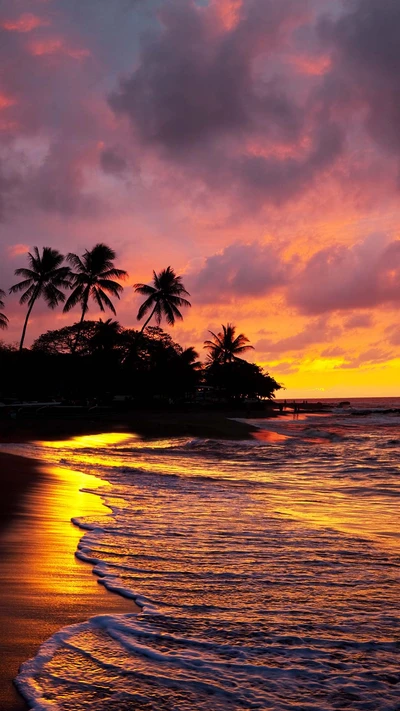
101,363
112,364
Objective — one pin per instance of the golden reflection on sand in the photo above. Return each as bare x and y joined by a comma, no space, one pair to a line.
82,441
51,544
44,586
318,501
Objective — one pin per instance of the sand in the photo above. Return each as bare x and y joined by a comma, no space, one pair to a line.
149,424
43,586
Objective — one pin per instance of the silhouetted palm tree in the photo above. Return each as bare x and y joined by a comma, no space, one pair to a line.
190,356
164,298
3,317
107,336
42,280
226,347
94,278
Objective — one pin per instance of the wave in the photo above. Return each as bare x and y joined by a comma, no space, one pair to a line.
266,572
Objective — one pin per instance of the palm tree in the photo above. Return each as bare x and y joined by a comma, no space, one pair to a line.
94,278
43,279
164,298
226,347
190,357
3,317
106,336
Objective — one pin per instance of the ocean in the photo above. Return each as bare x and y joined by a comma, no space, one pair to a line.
267,570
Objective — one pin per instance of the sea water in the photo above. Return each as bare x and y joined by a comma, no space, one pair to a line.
267,571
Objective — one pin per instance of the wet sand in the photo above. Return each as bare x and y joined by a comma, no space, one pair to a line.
43,587
55,425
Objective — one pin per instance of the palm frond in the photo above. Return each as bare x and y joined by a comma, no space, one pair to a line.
178,301
145,307
102,298
217,340
117,273
169,314
76,262
111,286
27,273
53,296
50,260
97,296
74,298
20,286
80,279
144,289
32,293
158,312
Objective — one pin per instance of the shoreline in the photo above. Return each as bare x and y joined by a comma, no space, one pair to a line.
44,586
30,614
148,424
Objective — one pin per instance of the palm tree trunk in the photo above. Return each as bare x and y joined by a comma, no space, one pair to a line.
149,319
34,297
78,335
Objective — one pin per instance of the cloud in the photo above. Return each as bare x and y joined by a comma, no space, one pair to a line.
285,368
332,352
317,331
194,81
342,277
50,122
240,270
359,321
25,23
15,250
214,100
393,334
56,45
366,65
112,161
370,357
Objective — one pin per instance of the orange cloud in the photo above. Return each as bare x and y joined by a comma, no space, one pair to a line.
25,23
17,249
6,101
228,12
56,45
313,66
280,150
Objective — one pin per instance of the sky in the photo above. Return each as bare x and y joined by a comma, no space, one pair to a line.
253,145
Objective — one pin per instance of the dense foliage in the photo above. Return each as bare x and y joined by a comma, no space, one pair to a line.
114,361
98,360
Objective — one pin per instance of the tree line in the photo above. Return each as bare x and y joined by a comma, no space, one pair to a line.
91,277
141,363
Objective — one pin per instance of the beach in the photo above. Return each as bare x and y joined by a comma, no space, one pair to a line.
29,614
164,423
44,587
265,568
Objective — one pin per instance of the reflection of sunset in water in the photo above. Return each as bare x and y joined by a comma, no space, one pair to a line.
44,586
307,490
92,441
52,544
264,567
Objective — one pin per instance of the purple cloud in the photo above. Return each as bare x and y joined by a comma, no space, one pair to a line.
220,104
365,66
240,270
317,331
343,278
358,320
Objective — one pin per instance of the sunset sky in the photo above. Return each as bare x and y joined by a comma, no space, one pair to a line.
253,145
